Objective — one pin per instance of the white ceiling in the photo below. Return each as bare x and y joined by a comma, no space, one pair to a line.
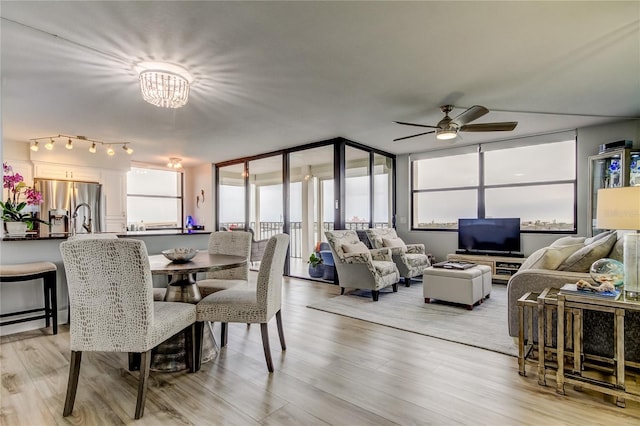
271,75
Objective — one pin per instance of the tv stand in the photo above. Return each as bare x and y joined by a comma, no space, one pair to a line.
491,253
502,266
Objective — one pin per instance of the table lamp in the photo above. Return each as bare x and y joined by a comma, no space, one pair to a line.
619,208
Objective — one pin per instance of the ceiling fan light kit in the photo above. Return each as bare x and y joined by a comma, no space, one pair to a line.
448,128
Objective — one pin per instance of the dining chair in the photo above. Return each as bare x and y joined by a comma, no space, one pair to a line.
248,305
111,294
234,243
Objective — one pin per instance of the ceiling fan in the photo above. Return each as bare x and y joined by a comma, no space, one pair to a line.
448,127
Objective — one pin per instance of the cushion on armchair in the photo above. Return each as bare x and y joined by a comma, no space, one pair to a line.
358,247
394,242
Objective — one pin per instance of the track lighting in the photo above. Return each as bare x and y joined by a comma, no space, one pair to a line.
75,139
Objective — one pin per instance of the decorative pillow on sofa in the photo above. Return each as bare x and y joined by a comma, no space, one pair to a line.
549,257
568,241
393,242
358,247
581,260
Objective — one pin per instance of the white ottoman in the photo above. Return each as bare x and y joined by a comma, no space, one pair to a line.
463,286
486,279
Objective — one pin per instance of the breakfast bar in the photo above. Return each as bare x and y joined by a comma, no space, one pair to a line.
47,249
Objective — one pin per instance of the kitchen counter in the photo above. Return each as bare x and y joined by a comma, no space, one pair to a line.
33,236
28,294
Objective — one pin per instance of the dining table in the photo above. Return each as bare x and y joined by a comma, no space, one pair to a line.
182,287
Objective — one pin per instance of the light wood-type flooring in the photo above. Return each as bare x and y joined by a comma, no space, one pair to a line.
336,370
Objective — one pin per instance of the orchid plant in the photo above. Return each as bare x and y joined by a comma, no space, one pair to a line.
13,208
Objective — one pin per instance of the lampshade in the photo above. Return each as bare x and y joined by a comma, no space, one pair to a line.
446,134
164,85
619,208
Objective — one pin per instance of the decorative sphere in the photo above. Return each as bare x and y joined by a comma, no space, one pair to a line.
607,270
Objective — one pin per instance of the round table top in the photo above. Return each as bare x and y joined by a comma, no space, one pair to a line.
203,261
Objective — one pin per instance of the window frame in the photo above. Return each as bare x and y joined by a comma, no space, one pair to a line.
481,187
179,197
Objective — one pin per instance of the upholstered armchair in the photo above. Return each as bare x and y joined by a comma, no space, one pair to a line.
410,259
358,266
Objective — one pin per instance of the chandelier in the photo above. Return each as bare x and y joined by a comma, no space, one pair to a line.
51,140
164,85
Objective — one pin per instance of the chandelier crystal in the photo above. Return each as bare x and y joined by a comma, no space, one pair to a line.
164,85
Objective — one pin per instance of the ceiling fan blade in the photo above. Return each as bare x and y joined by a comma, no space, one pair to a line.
413,136
505,126
469,115
417,125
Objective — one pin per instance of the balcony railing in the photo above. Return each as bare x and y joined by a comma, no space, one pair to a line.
269,229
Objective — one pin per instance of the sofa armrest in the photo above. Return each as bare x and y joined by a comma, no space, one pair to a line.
535,280
357,258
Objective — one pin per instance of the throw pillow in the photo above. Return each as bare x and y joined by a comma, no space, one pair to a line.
358,247
581,260
595,238
567,241
549,257
394,242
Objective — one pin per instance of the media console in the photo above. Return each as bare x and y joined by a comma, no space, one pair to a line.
502,267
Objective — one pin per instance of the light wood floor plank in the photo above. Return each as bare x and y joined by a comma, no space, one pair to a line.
336,371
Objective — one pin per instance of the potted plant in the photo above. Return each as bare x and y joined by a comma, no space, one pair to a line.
16,220
315,266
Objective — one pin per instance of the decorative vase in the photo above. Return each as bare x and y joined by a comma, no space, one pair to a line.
16,229
316,271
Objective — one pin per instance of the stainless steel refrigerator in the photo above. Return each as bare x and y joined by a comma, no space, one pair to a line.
62,200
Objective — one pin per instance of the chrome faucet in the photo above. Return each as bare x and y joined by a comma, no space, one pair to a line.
85,225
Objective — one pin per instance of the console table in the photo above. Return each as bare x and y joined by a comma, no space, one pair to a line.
570,364
502,267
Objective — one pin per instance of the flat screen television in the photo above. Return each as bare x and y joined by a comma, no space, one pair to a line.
489,236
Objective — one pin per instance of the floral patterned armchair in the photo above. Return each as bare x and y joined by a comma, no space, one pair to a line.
410,259
358,266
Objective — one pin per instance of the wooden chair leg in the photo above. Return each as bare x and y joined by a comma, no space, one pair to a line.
145,366
72,385
341,290
224,333
199,332
375,294
134,361
407,282
189,347
395,287
265,345
283,345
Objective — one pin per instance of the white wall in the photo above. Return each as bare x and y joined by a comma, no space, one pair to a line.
442,243
198,180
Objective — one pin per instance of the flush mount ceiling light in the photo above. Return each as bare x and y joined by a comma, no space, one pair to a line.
164,85
175,163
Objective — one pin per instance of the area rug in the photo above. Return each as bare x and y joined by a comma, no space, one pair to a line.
483,327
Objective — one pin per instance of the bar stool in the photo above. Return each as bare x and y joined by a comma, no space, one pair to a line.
33,271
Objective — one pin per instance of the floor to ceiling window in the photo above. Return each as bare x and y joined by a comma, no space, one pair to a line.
305,191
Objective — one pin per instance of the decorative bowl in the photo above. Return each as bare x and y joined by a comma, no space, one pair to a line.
180,255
